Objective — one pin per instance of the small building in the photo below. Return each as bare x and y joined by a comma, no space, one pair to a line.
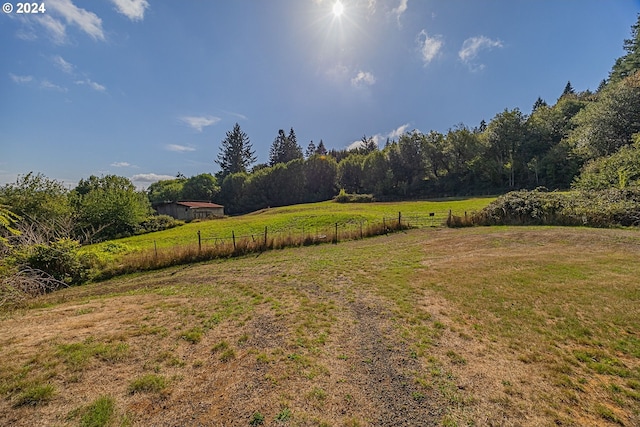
188,211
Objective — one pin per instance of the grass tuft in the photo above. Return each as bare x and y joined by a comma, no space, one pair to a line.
149,383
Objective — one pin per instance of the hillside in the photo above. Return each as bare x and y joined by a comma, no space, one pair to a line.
491,326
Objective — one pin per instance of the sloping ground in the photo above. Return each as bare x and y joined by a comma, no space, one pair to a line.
483,326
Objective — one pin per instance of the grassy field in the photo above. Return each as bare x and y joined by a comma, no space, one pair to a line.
453,327
309,217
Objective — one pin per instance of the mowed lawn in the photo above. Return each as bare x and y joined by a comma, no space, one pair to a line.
310,218
528,326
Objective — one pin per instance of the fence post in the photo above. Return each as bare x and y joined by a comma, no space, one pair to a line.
155,248
199,242
384,225
361,229
265,237
233,237
336,238
399,220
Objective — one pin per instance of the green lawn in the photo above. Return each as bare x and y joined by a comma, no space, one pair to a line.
310,217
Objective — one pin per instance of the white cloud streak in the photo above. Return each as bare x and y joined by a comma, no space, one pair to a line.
20,79
400,10
93,85
179,148
87,21
120,164
46,84
143,180
429,47
363,78
132,9
199,122
472,46
65,66
56,29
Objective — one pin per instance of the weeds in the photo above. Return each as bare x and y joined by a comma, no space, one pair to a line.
149,383
35,395
99,413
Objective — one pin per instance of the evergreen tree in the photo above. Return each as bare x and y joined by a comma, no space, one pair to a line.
628,64
568,90
236,153
284,148
368,145
311,150
539,103
321,150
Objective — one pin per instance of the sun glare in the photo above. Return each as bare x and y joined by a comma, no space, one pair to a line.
338,8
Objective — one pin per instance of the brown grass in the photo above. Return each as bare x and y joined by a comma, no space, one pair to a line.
435,327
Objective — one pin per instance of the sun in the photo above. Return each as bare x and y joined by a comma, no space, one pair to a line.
338,8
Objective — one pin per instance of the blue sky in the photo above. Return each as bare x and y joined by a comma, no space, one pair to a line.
148,88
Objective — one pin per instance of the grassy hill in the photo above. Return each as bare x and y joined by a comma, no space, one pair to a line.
482,326
311,216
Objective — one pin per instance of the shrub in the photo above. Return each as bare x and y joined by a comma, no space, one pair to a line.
158,223
344,197
60,259
605,208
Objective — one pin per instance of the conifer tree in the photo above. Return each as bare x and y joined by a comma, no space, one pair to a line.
236,153
628,64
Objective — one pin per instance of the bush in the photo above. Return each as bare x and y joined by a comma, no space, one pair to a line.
344,197
158,223
606,208
61,259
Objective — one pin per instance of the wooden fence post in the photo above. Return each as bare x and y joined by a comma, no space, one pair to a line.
199,242
336,238
265,237
233,237
155,248
399,220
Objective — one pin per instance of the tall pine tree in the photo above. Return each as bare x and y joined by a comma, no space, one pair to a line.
284,148
628,64
236,153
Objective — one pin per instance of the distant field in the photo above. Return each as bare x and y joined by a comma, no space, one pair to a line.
310,217
508,326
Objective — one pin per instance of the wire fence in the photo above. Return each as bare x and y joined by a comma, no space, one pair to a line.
210,246
351,229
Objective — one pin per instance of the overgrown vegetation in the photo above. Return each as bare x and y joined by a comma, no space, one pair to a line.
602,208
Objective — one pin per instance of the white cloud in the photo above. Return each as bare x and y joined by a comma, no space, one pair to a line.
429,46
179,148
381,138
120,164
46,84
88,22
93,85
132,9
55,27
200,122
143,180
471,47
400,10
20,79
65,66
363,78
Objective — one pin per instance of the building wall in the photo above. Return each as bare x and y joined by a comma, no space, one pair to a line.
186,213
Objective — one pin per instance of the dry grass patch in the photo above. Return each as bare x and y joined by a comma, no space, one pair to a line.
507,326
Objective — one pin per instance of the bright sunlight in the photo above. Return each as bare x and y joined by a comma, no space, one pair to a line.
338,8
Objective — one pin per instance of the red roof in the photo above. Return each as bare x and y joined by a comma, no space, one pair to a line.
199,205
